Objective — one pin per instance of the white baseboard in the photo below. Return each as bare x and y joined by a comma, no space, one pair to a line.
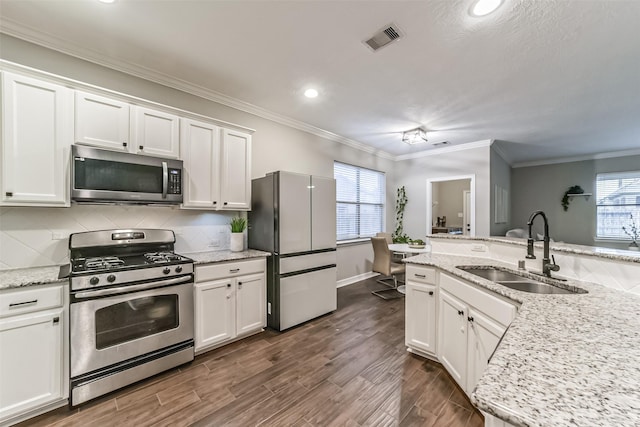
354,279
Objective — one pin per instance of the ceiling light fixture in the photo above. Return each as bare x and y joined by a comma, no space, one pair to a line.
311,93
484,7
107,1
414,136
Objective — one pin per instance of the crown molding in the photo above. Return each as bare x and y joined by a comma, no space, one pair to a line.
610,155
31,35
500,152
451,149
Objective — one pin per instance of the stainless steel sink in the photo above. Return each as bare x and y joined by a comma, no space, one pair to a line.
516,281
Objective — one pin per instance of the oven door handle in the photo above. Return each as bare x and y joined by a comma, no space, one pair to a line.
131,288
165,179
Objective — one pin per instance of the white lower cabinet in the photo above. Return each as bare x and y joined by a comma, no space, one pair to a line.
230,302
420,310
470,325
32,352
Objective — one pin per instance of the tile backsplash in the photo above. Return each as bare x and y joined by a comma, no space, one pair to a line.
31,237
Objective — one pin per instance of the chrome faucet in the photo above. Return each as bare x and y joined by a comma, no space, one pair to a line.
547,265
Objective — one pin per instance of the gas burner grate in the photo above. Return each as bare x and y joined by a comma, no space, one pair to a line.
158,257
102,262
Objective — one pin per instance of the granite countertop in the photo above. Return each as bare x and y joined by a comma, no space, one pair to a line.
221,256
34,276
566,360
608,253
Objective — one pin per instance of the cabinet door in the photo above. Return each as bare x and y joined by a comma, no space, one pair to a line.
251,300
420,317
294,220
235,172
37,130
31,358
323,213
199,150
452,336
156,133
215,312
102,122
484,335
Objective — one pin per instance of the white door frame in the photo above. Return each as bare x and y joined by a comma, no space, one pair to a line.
466,212
472,188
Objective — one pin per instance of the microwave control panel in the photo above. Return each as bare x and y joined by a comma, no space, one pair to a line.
175,181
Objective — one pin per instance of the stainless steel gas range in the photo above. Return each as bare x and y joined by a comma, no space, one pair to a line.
131,311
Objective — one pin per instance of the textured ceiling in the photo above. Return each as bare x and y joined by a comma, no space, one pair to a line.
548,79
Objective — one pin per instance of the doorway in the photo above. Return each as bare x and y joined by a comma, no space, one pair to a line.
452,199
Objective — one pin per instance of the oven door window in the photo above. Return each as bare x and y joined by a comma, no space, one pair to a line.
134,319
93,174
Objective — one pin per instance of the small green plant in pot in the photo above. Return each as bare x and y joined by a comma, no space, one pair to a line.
238,225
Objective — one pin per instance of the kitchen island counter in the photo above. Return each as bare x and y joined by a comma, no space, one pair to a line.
566,360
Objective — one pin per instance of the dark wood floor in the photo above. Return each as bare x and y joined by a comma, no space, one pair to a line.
349,368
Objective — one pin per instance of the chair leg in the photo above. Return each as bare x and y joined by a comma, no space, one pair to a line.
391,293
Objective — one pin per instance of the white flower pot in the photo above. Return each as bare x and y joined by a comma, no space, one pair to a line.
237,242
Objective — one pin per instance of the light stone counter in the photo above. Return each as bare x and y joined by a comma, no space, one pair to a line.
606,253
221,256
566,360
20,277
34,276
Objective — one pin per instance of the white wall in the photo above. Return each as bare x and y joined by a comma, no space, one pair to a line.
275,147
413,174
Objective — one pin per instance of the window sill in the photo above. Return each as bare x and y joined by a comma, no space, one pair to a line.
611,240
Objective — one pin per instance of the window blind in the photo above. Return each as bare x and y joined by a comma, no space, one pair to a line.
360,195
617,200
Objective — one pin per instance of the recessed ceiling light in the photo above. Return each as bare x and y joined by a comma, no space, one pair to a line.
310,93
107,1
484,7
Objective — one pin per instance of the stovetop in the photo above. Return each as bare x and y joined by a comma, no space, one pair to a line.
99,264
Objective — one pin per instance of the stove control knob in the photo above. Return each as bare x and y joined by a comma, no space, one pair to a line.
178,269
111,278
94,280
166,270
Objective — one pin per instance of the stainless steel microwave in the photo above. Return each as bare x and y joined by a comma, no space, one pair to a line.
103,176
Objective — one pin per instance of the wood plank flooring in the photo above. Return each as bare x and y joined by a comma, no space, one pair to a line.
348,368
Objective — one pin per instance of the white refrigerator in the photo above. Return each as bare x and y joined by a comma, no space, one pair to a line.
293,216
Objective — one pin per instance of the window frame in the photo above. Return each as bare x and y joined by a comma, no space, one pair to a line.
620,237
358,203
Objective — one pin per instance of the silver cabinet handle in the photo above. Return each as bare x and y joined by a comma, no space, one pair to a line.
132,288
17,304
422,276
235,270
165,179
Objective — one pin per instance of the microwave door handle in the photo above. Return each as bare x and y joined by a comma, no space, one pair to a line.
165,179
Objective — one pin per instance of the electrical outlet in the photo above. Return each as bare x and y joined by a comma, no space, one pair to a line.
178,231
460,215
479,248
215,243
58,236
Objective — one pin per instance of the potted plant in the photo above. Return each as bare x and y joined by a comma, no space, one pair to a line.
238,225
401,202
632,232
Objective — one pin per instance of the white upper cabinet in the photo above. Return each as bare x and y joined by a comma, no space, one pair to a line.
200,152
235,177
102,122
37,131
116,125
217,167
156,133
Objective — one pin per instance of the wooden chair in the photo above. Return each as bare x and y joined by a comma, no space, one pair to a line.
383,264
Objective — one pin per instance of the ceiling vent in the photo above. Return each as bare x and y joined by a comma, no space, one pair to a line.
384,37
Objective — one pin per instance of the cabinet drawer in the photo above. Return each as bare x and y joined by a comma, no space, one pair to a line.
229,269
494,307
304,262
14,302
421,274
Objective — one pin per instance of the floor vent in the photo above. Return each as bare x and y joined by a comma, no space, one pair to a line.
383,37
